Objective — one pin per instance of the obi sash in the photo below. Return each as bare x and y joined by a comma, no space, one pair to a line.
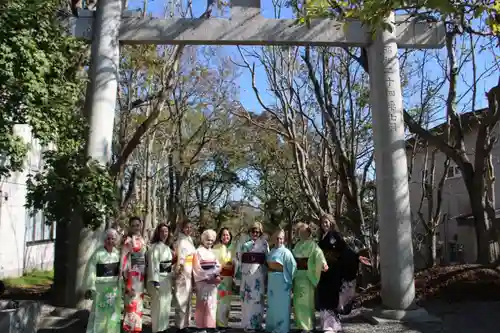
188,260
107,270
253,258
207,265
137,259
302,263
274,266
166,266
227,269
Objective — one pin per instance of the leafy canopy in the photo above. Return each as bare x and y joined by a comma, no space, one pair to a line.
372,12
38,78
41,85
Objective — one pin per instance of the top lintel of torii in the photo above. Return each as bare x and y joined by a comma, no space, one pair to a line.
248,27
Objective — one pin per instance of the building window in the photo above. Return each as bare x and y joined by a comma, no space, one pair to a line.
37,230
453,172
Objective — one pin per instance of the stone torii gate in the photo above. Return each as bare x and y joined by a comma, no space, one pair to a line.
110,25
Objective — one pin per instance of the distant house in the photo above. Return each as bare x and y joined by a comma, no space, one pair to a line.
26,243
456,235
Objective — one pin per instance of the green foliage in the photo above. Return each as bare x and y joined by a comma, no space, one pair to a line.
40,86
72,185
38,81
372,12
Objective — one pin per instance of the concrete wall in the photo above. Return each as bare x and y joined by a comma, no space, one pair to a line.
20,251
455,203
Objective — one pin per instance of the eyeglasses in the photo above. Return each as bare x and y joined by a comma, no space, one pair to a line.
255,231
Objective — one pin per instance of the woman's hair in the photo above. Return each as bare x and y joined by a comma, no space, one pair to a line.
303,226
274,237
258,226
333,224
156,236
184,224
130,221
219,236
134,218
206,234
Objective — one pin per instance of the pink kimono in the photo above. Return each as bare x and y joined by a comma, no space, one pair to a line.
205,267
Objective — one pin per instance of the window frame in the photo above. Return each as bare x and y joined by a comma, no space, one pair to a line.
32,228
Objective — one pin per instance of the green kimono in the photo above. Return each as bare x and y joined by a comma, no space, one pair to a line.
102,277
225,288
310,261
160,271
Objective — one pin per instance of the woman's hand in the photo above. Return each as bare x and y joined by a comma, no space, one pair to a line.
365,261
325,267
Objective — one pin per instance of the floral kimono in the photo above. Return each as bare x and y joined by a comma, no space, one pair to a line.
281,270
184,250
160,271
310,261
205,267
224,295
134,272
253,271
102,276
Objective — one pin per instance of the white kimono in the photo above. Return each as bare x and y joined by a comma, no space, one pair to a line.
160,271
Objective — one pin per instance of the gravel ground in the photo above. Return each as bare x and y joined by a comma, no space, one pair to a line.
456,318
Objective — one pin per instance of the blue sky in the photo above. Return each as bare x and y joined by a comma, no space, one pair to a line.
484,59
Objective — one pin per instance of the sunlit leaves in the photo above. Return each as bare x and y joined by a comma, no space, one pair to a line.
372,12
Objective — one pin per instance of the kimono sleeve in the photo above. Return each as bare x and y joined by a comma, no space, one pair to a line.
290,265
90,272
315,265
153,264
198,272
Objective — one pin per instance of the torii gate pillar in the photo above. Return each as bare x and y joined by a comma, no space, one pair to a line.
248,27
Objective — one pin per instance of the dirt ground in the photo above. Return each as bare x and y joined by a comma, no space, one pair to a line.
457,283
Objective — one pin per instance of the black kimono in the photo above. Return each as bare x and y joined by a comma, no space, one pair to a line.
336,286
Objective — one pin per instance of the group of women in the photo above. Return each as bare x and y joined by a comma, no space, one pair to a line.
320,275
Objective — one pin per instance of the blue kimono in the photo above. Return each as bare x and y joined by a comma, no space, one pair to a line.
279,287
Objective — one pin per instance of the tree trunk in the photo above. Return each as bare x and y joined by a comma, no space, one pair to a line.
431,247
487,241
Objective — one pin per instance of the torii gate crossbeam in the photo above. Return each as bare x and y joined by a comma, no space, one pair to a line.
111,26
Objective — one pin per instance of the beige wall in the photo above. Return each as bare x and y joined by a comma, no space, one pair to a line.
455,200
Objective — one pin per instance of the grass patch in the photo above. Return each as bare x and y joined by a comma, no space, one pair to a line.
32,279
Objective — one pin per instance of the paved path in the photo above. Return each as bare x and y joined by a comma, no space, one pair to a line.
456,318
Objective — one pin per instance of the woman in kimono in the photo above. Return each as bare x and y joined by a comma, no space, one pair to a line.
134,271
253,278
310,263
281,270
206,273
160,278
184,250
223,251
103,286
336,287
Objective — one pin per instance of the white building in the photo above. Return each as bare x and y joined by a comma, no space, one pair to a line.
26,243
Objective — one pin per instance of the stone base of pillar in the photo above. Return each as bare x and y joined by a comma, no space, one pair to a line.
413,315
